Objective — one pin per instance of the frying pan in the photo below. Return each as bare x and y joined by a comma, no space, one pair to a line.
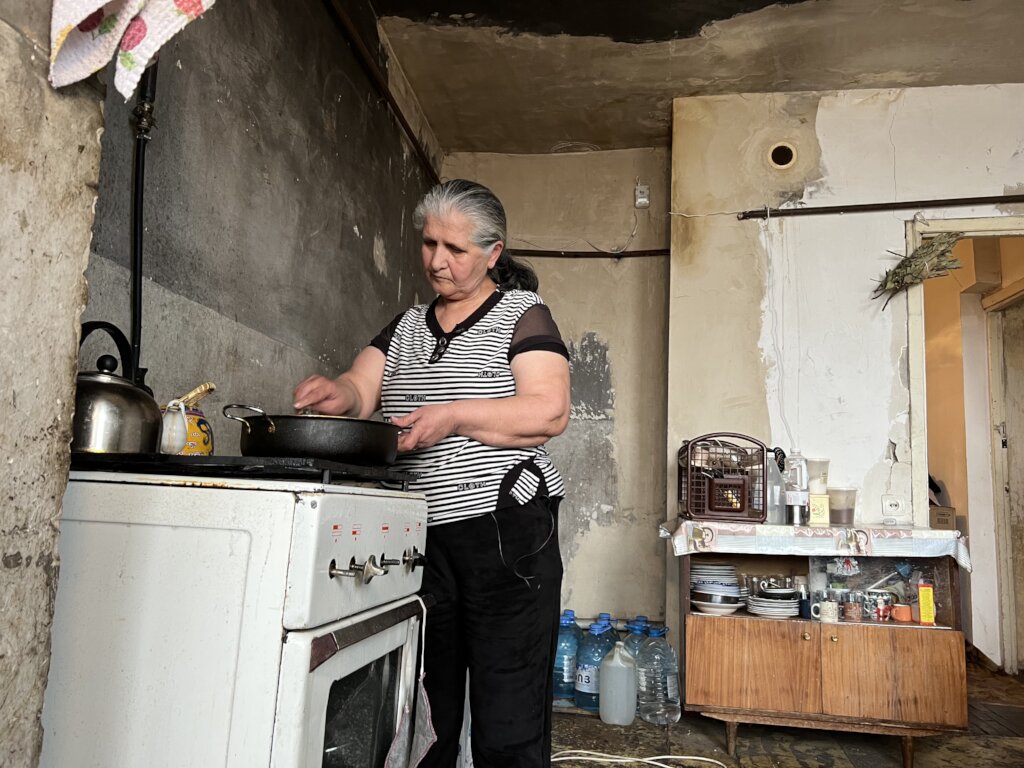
334,438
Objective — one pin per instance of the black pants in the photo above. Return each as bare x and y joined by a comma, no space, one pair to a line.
501,627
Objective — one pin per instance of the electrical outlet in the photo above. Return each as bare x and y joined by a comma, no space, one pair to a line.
642,195
893,506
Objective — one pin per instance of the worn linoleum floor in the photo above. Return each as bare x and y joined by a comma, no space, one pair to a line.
996,711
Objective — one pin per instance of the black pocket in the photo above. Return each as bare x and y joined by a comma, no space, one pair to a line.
528,539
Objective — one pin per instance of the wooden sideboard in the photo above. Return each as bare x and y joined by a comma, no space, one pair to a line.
904,680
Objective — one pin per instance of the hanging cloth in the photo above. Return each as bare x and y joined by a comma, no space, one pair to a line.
414,737
86,34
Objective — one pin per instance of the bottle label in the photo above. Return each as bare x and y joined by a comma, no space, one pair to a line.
568,669
586,679
797,498
672,688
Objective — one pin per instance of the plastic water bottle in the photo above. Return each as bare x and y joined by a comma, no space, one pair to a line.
595,646
617,684
636,635
658,680
607,618
564,673
569,613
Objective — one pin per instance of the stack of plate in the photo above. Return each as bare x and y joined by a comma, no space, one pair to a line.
715,589
773,608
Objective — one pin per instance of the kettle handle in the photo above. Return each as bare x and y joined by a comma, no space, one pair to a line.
124,349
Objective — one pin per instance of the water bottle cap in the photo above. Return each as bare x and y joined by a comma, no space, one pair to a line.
642,620
605,616
566,621
569,612
657,631
636,628
600,627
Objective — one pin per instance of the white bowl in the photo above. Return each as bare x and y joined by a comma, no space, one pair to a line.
715,609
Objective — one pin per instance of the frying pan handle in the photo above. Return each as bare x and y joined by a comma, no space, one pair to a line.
272,428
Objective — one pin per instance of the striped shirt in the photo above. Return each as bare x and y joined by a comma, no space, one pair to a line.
461,477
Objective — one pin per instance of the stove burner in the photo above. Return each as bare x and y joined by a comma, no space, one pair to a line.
327,472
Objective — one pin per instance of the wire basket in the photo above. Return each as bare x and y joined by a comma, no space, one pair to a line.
722,476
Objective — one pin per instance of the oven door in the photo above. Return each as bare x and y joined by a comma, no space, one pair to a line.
344,687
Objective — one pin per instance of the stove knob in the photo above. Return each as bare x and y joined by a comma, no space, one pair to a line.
371,569
414,558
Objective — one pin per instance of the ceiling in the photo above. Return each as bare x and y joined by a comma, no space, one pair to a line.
527,77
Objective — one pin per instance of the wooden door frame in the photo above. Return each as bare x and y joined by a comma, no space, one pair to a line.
916,230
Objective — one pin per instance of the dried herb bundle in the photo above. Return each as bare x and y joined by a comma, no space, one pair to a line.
932,258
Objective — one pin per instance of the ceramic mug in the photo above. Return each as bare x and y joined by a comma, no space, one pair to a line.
902,613
827,611
853,611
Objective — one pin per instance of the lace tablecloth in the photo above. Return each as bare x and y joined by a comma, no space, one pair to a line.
700,536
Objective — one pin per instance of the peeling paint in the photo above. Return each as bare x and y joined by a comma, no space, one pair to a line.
617,94
380,259
593,398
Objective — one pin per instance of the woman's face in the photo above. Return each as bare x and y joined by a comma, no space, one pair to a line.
455,267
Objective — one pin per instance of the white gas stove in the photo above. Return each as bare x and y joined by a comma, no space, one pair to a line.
206,619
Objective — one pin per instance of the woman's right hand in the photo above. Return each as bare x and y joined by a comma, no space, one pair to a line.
323,395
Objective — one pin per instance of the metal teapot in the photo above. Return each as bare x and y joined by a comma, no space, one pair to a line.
114,414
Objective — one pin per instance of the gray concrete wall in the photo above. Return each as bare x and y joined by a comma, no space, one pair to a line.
49,162
613,314
279,192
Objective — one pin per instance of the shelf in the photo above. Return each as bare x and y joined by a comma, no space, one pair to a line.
704,536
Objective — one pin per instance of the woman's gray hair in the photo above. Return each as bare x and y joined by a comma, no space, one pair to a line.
482,207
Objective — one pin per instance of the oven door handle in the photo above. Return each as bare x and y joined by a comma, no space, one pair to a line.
325,646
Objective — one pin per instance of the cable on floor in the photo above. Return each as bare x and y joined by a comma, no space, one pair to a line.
585,755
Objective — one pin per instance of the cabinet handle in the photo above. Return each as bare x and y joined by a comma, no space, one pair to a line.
835,639
806,635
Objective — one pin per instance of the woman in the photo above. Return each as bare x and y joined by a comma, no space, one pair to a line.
479,381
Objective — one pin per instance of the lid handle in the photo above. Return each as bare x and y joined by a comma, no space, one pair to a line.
124,349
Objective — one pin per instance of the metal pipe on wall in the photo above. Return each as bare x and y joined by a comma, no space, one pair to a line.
144,123
951,202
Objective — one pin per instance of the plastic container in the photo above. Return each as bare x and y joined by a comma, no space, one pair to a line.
797,501
563,675
617,684
841,505
658,680
599,641
817,476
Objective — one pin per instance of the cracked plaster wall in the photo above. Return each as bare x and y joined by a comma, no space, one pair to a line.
278,211
612,314
49,162
793,349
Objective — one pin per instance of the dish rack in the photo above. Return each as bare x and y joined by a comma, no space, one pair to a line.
722,476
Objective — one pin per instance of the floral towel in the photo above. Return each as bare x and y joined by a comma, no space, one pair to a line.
85,34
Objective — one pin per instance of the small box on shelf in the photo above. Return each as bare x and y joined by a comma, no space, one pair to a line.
819,511
942,518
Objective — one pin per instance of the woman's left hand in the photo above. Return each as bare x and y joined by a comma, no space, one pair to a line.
424,427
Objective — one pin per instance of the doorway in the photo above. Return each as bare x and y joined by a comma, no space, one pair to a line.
973,361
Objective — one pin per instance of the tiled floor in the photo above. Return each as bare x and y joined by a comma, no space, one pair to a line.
996,712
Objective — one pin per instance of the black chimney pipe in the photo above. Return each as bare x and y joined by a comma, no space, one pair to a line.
144,122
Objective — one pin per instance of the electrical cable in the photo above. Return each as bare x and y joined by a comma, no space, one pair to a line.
588,756
615,251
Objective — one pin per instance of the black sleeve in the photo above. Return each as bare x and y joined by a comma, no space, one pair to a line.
536,330
382,340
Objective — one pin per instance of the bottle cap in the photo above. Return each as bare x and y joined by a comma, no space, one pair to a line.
657,631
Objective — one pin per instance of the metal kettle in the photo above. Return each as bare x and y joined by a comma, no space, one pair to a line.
114,414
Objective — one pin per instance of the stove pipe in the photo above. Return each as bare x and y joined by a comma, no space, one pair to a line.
144,122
